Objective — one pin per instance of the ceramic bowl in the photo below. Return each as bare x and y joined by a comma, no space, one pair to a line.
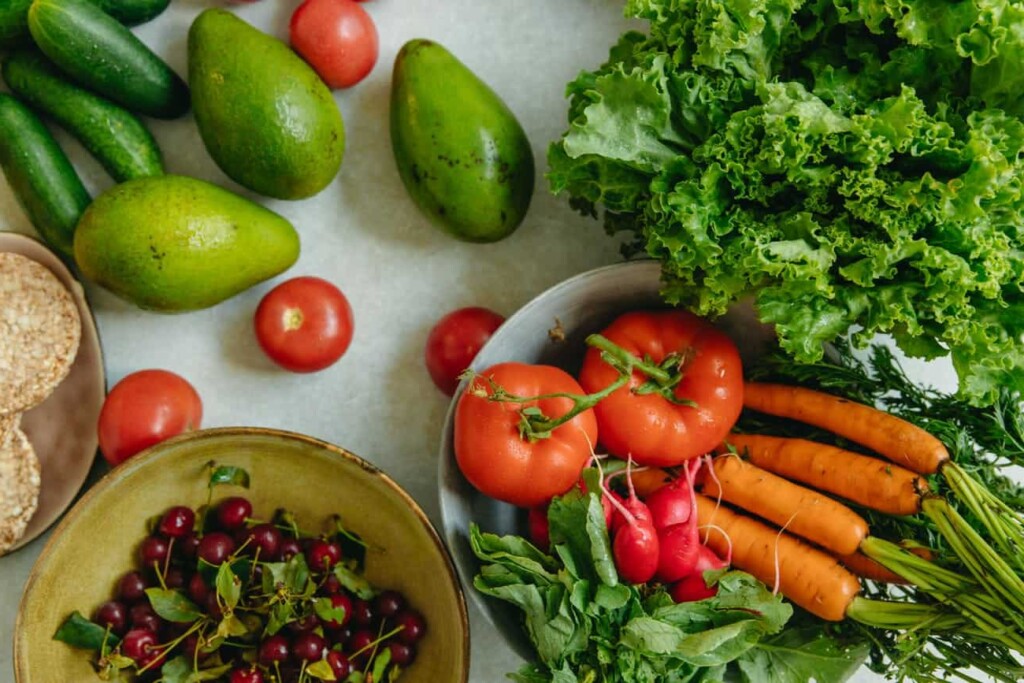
575,307
62,429
95,543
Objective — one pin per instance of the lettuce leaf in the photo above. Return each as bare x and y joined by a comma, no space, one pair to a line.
851,164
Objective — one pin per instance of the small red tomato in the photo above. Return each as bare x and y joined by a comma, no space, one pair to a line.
455,340
304,324
338,39
145,408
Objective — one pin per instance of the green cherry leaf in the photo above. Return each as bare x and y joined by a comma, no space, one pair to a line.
173,606
176,670
322,670
229,586
327,611
353,581
380,664
231,626
227,475
77,631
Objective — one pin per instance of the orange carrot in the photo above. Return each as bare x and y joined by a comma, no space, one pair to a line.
800,511
867,481
809,577
867,568
650,480
896,439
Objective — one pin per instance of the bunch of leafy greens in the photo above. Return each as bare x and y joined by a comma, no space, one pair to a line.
849,163
586,626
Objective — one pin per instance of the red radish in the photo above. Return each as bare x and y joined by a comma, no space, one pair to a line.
673,503
670,505
635,506
635,549
635,542
537,520
707,559
692,588
679,546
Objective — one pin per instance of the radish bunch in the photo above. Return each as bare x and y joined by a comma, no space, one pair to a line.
655,539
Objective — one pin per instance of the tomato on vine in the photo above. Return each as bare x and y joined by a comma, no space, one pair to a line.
518,437
684,391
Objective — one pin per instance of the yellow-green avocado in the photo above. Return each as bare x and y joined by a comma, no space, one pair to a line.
461,153
173,243
264,115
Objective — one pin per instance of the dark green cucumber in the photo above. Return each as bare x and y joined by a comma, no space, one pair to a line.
115,136
43,180
14,16
132,12
99,53
14,23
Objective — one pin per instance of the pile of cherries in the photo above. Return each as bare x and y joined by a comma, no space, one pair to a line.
170,558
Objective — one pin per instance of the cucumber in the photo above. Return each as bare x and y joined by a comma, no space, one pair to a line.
43,180
102,55
115,136
14,22
14,16
132,12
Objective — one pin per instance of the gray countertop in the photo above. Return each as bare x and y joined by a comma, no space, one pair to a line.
364,234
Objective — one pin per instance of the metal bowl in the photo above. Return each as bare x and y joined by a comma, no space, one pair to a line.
574,308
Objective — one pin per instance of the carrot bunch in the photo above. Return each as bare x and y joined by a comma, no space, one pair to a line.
776,504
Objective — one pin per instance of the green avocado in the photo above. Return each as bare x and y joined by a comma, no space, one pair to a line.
461,153
264,115
173,243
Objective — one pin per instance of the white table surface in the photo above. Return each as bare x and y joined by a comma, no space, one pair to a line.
364,234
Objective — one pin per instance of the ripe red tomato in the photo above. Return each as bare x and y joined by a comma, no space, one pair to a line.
338,39
145,408
657,427
454,342
497,459
304,324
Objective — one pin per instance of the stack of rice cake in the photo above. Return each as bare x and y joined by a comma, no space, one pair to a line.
40,330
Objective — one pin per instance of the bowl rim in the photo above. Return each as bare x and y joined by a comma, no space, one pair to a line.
142,459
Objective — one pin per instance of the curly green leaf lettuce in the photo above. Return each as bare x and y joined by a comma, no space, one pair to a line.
851,164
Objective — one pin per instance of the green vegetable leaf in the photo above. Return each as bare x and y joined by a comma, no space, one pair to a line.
229,587
77,631
580,538
173,606
799,655
228,475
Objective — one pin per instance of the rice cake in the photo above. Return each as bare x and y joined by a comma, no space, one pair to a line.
19,487
40,329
